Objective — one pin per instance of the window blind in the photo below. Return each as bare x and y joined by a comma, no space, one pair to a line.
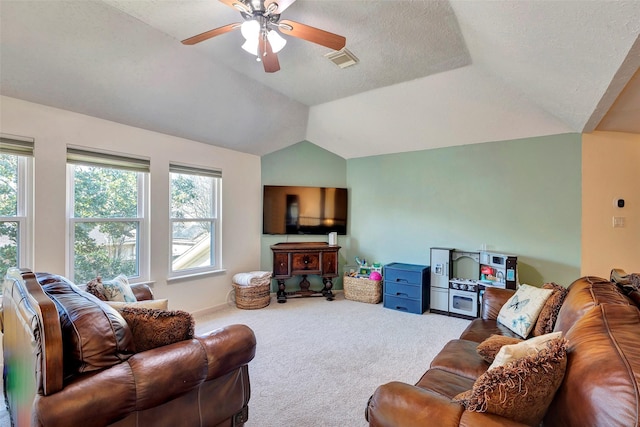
20,147
191,170
93,158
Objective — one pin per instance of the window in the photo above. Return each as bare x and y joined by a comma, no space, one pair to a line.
108,218
195,220
16,158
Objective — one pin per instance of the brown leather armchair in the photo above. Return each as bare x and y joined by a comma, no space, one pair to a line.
198,382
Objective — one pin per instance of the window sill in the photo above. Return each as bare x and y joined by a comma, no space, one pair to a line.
181,278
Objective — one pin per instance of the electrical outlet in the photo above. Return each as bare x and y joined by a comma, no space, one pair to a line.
618,222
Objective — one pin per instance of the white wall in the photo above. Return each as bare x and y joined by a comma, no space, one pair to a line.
53,129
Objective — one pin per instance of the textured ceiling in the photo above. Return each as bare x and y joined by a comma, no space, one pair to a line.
431,73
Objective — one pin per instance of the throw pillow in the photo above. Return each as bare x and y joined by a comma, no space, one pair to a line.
96,288
509,353
549,313
118,289
488,348
94,335
521,390
153,328
521,311
160,304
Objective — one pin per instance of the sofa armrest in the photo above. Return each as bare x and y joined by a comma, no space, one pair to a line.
147,379
228,348
399,404
493,300
142,291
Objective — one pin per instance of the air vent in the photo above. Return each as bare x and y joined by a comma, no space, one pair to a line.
342,58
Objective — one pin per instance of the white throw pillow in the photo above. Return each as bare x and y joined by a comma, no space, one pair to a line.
161,304
521,311
511,352
118,289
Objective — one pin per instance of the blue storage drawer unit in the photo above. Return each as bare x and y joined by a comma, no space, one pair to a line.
406,287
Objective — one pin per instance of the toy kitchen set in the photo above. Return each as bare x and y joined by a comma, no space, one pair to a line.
459,278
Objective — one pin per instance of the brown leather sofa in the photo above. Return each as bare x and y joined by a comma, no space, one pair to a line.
197,382
601,382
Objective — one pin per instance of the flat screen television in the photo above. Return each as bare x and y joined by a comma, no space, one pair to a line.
304,210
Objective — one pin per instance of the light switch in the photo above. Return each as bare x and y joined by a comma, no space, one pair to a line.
618,221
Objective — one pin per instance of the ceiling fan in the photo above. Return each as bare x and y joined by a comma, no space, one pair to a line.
261,19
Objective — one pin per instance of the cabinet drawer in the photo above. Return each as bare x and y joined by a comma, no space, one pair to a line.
403,276
402,304
280,264
305,263
402,290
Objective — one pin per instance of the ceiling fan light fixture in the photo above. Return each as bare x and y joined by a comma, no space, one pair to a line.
250,29
276,40
251,46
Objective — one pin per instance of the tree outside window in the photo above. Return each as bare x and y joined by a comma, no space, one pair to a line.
9,220
106,224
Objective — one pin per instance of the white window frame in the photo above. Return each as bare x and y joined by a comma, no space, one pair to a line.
23,148
81,156
215,220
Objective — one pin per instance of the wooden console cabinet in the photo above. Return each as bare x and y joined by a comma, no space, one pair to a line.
304,259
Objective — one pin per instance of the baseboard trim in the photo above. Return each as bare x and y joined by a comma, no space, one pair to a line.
214,309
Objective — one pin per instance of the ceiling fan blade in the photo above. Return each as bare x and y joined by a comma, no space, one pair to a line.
268,58
312,34
237,5
282,5
211,33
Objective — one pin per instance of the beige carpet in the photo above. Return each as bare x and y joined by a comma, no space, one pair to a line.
317,361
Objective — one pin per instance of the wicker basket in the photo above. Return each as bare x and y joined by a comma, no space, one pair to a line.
362,289
253,296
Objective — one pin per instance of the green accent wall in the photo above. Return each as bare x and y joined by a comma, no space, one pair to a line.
520,197
303,164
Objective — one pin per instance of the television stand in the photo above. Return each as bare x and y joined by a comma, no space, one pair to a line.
305,259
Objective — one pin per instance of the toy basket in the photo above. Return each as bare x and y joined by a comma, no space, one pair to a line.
362,289
253,296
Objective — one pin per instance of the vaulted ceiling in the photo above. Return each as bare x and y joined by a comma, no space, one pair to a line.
430,73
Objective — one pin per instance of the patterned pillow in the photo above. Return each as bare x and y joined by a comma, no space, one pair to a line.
488,348
520,312
509,353
521,390
96,288
118,289
153,328
549,313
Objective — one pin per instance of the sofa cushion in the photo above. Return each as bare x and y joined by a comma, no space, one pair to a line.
549,313
584,294
602,384
520,390
159,304
444,383
488,348
95,336
521,311
155,328
481,329
460,357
